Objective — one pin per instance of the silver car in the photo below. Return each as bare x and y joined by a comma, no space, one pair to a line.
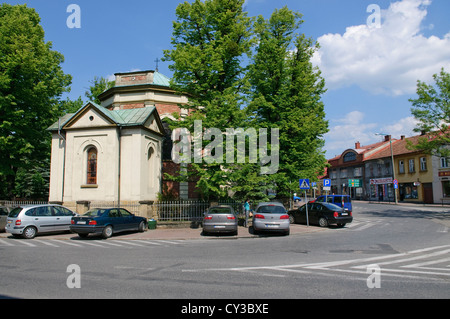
3,215
29,220
220,219
271,216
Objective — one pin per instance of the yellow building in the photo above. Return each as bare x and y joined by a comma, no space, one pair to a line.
414,172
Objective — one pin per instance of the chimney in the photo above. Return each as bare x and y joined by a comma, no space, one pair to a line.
387,138
357,145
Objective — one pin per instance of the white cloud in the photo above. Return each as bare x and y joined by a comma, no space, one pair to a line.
346,131
389,59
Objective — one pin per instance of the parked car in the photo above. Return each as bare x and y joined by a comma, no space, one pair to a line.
343,201
4,211
271,216
220,219
323,214
106,222
29,220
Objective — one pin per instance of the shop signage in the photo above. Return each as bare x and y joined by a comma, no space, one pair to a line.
378,181
446,173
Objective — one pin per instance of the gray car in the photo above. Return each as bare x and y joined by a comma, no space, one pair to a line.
29,220
219,219
4,211
271,216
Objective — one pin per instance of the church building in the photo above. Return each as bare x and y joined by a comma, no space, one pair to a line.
118,150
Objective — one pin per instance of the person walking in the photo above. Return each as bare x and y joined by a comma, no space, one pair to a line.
247,212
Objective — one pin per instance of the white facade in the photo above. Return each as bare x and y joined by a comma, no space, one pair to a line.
128,157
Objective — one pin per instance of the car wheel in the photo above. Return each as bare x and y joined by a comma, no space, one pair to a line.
292,219
107,232
323,222
29,232
141,227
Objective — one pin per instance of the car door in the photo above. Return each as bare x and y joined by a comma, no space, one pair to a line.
128,219
63,218
44,219
115,220
3,216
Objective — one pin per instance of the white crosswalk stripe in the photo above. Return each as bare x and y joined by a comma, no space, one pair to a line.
64,243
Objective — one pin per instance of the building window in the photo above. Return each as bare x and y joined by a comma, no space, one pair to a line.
91,166
444,162
411,166
446,188
401,167
423,163
349,157
357,171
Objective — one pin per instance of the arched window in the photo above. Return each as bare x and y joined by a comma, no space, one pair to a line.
349,157
91,166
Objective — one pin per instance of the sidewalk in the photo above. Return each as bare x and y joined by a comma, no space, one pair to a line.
178,234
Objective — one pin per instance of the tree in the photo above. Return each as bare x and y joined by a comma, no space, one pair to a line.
31,84
432,110
99,85
286,93
209,41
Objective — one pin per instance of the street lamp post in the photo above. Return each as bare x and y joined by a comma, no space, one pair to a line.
393,167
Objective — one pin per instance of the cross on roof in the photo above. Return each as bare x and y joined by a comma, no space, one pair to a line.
157,61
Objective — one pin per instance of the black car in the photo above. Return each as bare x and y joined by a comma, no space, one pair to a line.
106,221
323,214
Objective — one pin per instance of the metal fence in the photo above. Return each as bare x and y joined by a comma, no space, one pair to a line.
180,210
186,210
14,203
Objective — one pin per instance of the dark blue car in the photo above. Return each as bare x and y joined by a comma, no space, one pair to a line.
106,222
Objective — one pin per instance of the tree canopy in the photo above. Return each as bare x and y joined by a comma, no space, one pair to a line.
249,73
31,84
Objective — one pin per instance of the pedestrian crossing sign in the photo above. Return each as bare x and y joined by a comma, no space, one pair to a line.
304,184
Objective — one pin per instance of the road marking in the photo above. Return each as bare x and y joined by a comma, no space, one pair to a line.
6,242
148,242
92,244
24,241
45,242
131,242
112,244
66,242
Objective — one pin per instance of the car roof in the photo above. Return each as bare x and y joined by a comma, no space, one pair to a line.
271,204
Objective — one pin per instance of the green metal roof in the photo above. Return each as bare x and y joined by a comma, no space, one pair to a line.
129,117
160,79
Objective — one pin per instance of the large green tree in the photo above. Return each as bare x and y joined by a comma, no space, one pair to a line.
31,84
432,110
252,74
286,93
210,40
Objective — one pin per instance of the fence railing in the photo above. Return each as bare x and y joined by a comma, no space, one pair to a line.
181,210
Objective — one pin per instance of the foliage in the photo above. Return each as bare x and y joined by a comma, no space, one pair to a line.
31,84
99,85
286,93
275,87
432,110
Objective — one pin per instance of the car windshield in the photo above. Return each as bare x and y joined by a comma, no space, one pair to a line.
96,212
271,209
220,210
15,212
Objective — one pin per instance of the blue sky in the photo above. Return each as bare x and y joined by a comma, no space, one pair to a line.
370,72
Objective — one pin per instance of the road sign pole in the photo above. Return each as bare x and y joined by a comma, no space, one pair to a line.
307,217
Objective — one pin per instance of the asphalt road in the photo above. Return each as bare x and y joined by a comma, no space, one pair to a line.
387,252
